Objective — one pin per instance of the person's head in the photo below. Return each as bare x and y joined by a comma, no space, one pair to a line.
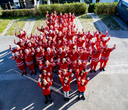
74,49
106,46
79,38
88,32
29,44
59,42
21,40
64,72
63,60
48,50
16,53
100,32
66,80
60,50
38,49
70,41
44,72
17,47
44,82
79,62
46,62
81,73
26,51
42,27
82,82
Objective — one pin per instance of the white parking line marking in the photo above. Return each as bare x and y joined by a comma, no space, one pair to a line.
48,106
27,77
28,106
13,108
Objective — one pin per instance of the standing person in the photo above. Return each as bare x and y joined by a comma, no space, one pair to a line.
82,87
19,62
45,85
95,59
105,56
29,61
66,86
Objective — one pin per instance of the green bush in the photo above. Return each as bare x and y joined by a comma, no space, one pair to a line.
105,8
76,8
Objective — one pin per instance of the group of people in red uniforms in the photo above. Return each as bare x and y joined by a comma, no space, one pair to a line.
60,45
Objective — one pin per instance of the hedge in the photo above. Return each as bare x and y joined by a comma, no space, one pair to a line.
76,8
0,11
103,8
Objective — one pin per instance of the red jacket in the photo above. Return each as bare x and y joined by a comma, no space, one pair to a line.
72,56
82,88
60,55
19,60
46,89
95,56
106,53
84,56
28,59
66,87
49,56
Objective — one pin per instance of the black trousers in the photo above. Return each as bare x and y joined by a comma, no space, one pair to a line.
46,96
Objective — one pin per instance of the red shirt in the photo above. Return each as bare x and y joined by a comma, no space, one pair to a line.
66,75
82,88
45,89
72,56
66,87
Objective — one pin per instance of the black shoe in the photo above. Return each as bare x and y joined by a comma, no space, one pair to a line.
64,99
68,99
94,71
100,69
22,74
31,74
46,102
90,71
83,97
35,73
78,98
103,69
25,73
51,100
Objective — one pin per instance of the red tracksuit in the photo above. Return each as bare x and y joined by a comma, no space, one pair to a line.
95,59
20,63
105,57
45,89
39,58
29,62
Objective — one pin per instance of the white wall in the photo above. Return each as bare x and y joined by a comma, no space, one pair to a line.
101,1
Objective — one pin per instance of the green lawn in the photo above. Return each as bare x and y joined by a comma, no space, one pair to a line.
40,21
110,22
87,22
18,24
3,24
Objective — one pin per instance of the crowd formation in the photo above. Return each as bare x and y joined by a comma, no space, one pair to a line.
60,45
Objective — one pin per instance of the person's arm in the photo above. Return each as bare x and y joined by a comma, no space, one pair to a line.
39,82
70,79
86,81
13,57
113,48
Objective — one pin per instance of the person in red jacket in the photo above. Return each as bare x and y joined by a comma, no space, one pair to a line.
21,34
45,85
95,59
81,75
29,61
105,56
66,85
82,87
19,62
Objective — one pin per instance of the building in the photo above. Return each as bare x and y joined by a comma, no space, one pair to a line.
101,1
18,4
